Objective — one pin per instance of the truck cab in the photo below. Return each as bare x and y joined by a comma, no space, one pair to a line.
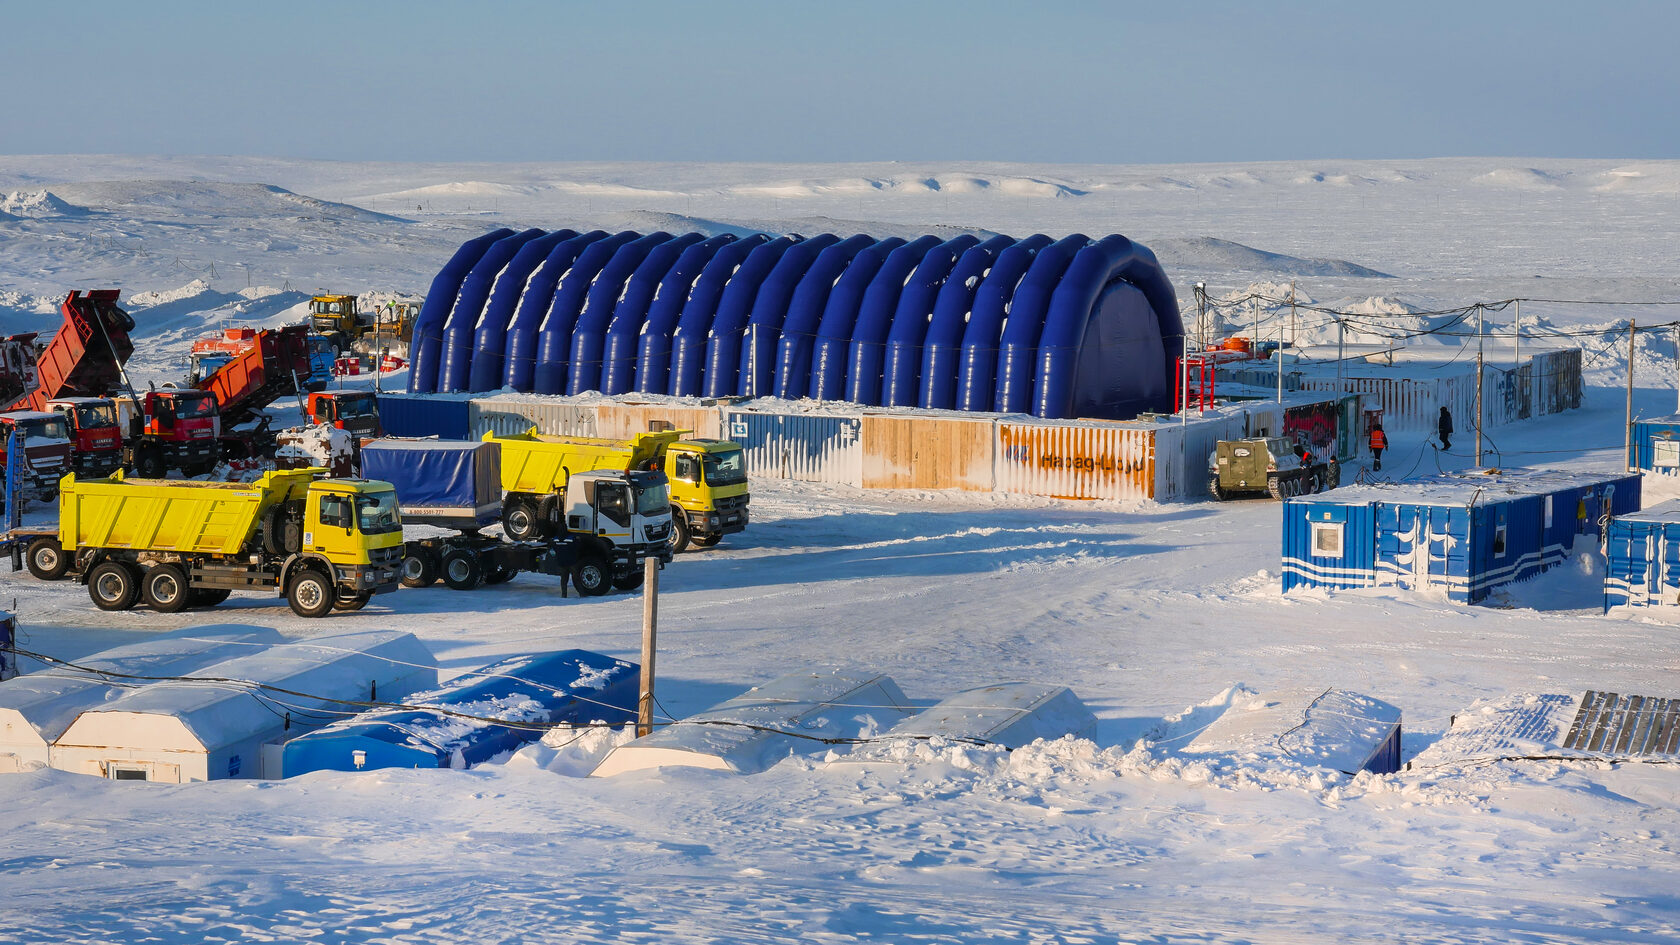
629,510
355,412
95,433
44,439
709,493
202,364
180,429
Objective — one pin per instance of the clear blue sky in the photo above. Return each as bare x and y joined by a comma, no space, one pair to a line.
1027,80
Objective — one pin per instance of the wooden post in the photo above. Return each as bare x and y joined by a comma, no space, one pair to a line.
1627,434
650,631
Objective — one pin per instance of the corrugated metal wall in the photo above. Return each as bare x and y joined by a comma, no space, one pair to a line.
405,415
810,448
556,417
624,420
1076,460
1347,557
916,453
1642,563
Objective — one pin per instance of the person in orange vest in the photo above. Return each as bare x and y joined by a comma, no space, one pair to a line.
1379,442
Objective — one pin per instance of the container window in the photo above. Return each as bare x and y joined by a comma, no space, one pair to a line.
128,773
1499,542
1327,539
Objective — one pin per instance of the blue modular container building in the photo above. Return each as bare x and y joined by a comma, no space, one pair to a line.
1642,558
1656,445
1463,534
475,716
1092,325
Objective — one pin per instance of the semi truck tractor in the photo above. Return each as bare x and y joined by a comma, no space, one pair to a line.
616,518
322,543
708,480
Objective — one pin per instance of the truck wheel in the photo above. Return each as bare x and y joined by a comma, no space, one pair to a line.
354,603
680,534
311,593
1219,494
46,560
149,464
114,585
709,541
592,575
499,575
630,580
520,520
462,570
208,596
164,589
418,568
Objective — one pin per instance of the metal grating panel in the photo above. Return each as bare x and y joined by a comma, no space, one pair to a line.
1625,725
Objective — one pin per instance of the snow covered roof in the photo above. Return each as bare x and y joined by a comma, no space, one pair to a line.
37,707
213,712
1327,728
1664,512
1459,489
753,731
1007,714
29,415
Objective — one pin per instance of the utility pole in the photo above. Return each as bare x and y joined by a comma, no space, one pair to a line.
1479,340
1294,340
650,632
1677,366
1341,329
1627,432
1516,333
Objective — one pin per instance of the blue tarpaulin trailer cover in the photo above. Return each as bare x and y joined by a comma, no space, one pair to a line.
442,474
1071,328
475,716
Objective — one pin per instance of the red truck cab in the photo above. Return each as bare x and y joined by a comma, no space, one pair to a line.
181,430
96,443
44,439
355,412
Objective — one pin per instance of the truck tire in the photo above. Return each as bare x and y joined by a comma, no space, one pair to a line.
592,575
46,560
164,588
462,570
419,568
208,596
520,521
353,603
311,593
630,580
114,585
149,464
680,534
282,529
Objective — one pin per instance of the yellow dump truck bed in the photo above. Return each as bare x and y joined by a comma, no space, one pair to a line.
538,464
172,515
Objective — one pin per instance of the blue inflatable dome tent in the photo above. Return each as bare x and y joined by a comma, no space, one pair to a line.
1068,328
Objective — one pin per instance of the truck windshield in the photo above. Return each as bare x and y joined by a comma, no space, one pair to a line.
653,499
358,405
189,408
724,469
90,416
376,512
53,429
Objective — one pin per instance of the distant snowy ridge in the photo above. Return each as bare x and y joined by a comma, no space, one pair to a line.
38,203
1208,253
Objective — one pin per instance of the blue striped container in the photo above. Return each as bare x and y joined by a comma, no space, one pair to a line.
1656,445
1329,541
1642,552
409,415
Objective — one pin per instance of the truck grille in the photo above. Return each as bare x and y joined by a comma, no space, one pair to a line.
383,556
731,503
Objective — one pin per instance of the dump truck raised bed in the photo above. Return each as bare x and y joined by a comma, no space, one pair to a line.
274,365
85,358
708,480
322,543
618,518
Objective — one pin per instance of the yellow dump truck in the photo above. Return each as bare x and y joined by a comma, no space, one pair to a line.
708,478
323,543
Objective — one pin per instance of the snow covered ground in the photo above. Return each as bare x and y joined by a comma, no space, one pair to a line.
1158,617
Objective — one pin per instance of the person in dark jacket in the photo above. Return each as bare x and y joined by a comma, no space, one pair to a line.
1445,428
1379,442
